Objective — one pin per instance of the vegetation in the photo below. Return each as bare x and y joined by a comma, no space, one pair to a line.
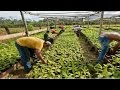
65,57
30,27
66,60
93,34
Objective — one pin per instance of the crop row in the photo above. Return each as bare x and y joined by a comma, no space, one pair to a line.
93,35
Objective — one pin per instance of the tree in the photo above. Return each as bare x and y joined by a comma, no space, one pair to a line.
7,30
4,25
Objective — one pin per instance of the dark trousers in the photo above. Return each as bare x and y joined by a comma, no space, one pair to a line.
50,39
78,33
25,54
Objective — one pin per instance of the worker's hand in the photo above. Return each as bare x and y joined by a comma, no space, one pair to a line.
112,51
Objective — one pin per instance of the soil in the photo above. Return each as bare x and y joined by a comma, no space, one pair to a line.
20,73
88,54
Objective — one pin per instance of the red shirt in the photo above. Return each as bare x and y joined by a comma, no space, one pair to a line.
62,27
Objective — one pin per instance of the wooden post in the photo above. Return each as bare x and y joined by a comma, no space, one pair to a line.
98,22
101,21
88,21
116,21
5,26
47,24
55,22
40,24
83,22
7,30
25,23
73,22
109,22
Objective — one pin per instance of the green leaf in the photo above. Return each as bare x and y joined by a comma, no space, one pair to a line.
58,70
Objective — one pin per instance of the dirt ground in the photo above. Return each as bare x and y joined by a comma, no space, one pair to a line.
88,54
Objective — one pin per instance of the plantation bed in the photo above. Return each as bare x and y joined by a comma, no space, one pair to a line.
64,59
94,44
67,59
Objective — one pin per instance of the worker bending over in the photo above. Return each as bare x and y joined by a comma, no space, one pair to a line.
77,29
26,45
47,38
62,30
53,30
105,38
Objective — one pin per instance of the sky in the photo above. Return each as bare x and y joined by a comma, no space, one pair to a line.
17,15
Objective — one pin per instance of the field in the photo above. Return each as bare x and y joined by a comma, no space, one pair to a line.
66,58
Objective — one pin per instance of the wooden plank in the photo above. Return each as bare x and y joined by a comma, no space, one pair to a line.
5,37
25,24
101,22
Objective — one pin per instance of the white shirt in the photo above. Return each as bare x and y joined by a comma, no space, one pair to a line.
77,28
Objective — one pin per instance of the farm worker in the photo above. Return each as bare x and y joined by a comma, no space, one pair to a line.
53,31
25,45
47,38
74,28
61,27
62,30
105,38
77,29
51,27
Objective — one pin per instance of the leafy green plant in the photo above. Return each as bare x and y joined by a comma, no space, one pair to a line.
30,27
